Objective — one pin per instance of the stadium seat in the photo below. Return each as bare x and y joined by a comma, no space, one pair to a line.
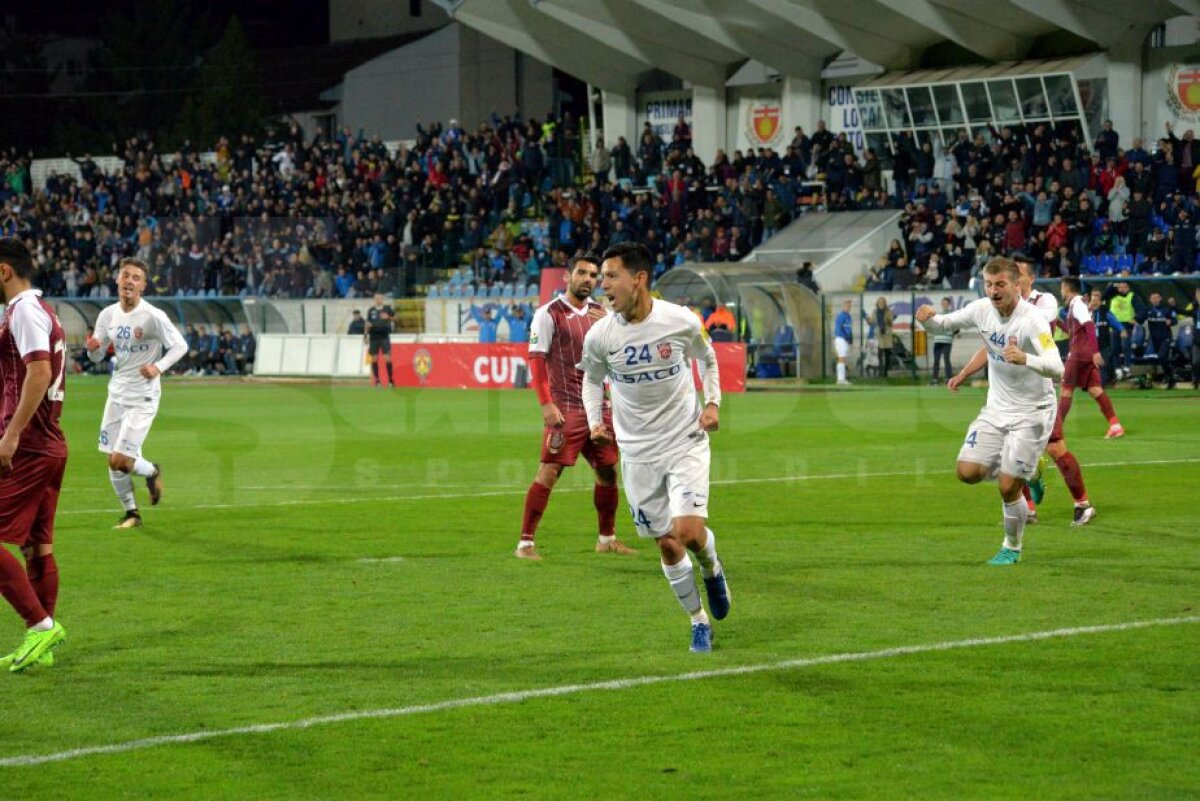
1089,265
1124,262
506,291
1106,263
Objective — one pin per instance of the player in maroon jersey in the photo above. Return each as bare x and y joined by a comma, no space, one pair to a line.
1084,361
33,455
555,348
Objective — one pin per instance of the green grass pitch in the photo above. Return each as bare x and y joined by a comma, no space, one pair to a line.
326,550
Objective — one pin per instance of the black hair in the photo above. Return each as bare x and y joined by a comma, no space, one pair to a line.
14,253
590,257
1073,282
633,255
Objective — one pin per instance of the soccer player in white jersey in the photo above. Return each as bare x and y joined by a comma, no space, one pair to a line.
1012,429
645,350
145,344
1047,304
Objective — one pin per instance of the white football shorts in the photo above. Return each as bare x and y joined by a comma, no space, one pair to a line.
659,491
841,347
125,428
1013,450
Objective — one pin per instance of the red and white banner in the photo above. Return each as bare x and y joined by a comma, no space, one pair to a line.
476,366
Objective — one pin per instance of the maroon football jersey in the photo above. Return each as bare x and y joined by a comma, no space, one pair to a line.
557,331
1082,329
30,331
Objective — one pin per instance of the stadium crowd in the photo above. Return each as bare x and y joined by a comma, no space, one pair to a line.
288,216
1076,210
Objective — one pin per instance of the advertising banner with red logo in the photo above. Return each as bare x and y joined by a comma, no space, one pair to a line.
475,366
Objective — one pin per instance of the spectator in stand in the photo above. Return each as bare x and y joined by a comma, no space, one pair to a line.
600,162
1183,243
357,326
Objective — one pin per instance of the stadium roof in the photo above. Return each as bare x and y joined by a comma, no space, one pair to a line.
611,43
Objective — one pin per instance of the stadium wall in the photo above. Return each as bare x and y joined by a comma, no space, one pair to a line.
454,73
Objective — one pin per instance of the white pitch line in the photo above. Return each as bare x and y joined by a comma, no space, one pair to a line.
26,760
523,490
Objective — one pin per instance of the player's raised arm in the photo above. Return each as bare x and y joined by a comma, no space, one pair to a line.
947,323
173,341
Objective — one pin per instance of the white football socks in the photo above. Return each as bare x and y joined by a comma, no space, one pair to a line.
1015,515
123,485
683,584
143,467
841,372
710,565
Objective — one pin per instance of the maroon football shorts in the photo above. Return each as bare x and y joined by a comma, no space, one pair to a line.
563,444
1081,374
29,498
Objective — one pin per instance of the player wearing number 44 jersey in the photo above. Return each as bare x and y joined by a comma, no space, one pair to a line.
33,455
145,344
555,348
1056,447
1011,431
645,350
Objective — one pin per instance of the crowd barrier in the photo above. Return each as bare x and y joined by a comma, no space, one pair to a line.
436,362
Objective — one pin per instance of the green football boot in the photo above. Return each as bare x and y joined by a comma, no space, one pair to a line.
36,645
1006,556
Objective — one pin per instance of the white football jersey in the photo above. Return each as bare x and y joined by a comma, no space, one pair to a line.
139,337
1013,389
656,408
1046,303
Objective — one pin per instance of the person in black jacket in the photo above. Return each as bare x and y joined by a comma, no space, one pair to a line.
1183,243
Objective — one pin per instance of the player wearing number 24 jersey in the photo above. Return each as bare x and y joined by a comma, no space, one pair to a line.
145,344
645,350
33,455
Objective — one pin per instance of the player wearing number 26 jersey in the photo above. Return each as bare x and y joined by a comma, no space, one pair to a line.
33,455
145,344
